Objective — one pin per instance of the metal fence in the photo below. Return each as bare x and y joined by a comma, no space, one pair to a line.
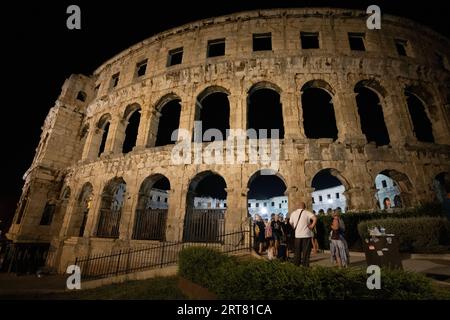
155,256
108,225
150,224
204,225
23,258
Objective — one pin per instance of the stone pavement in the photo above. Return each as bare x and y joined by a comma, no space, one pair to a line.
12,285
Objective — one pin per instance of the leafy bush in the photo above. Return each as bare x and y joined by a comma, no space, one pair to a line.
352,219
419,234
199,264
254,279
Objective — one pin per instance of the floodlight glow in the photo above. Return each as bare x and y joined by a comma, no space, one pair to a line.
263,210
330,200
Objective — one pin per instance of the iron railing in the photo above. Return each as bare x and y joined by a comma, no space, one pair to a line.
204,225
23,257
108,225
150,224
156,256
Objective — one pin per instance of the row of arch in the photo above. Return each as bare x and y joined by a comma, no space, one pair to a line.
150,222
264,111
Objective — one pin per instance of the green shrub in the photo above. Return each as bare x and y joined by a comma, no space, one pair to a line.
199,264
418,234
352,219
254,279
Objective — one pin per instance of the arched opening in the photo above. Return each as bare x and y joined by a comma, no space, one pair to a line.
103,126
441,186
81,95
151,210
266,196
205,208
131,132
81,211
213,110
113,198
371,116
265,112
48,213
328,194
421,123
393,186
319,120
169,121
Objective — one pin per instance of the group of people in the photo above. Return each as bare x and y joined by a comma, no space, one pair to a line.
298,233
273,236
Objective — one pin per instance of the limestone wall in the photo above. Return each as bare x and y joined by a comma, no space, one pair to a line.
68,155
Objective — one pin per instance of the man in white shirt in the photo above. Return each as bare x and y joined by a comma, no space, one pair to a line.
302,221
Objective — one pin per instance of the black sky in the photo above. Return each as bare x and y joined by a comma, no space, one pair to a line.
39,53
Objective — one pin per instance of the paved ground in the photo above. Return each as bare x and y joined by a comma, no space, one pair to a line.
11,284
435,266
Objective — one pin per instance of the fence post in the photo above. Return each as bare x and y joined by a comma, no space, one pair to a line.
76,263
162,254
118,262
128,260
250,235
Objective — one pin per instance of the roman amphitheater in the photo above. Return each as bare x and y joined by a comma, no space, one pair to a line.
348,101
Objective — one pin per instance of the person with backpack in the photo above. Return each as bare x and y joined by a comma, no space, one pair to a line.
302,221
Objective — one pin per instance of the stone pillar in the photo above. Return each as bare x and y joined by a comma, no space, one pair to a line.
299,107
151,132
187,115
132,218
127,215
236,214
422,190
347,118
92,219
143,131
92,144
296,196
396,115
175,214
68,218
291,120
116,136
441,128
360,199
236,104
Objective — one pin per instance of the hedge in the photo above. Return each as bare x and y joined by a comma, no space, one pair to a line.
419,234
255,279
352,219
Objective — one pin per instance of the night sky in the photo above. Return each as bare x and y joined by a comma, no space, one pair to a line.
39,53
